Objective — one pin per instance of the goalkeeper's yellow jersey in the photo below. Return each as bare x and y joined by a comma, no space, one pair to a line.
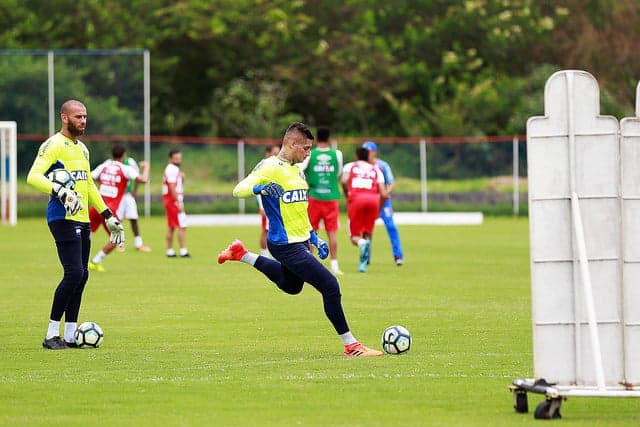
61,152
287,215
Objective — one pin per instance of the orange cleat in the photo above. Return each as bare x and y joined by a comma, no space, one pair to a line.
143,248
359,350
234,252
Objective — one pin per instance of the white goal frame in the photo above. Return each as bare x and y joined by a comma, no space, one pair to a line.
8,173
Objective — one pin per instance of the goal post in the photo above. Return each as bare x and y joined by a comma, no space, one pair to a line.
9,173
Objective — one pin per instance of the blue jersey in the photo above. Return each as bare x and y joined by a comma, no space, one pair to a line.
386,171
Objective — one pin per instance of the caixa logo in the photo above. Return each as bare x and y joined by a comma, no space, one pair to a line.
294,196
79,175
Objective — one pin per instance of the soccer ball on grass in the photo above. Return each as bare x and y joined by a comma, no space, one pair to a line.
62,177
89,334
396,339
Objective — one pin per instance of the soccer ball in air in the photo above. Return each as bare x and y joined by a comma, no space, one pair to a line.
396,339
89,334
62,177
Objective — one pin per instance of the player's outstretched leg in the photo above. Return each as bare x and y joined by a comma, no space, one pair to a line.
234,252
358,350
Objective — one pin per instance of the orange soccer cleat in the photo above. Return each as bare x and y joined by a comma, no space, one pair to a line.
234,252
359,350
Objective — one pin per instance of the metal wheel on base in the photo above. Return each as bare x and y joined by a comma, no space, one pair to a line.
520,401
548,409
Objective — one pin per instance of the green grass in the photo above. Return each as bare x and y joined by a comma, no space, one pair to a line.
193,343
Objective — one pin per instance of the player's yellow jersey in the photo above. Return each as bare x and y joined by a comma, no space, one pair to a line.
61,152
288,216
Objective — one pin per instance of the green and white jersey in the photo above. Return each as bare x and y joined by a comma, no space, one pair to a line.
132,182
323,168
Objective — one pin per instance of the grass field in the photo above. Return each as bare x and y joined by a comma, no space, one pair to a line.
192,343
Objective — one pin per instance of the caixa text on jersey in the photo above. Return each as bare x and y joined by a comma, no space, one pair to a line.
293,196
80,175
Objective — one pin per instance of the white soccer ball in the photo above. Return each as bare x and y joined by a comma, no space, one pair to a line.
62,177
89,334
396,339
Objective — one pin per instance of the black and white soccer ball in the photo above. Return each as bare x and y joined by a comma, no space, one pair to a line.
396,339
62,177
89,334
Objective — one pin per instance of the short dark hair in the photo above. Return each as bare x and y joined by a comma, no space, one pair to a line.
362,153
300,127
172,152
118,151
323,133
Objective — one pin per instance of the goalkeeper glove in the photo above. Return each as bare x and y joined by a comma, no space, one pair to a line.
270,189
69,198
321,245
115,228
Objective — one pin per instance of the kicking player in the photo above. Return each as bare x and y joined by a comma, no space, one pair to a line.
68,218
386,211
363,185
284,195
112,177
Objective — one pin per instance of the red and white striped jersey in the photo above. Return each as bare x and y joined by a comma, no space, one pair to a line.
112,178
172,175
362,178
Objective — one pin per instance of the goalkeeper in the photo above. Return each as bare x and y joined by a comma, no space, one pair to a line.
284,197
68,218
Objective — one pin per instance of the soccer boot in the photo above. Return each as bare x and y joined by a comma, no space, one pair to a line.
362,267
234,252
121,248
359,350
54,343
399,261
186,255
96,267
71,344
143,248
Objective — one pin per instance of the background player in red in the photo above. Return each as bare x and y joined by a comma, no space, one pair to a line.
173,200
363,184
112,178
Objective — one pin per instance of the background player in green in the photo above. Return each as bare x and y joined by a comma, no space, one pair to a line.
284,193
323,168
68,218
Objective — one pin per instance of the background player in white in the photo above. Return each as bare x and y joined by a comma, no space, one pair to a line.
173,200
128,208
112,178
